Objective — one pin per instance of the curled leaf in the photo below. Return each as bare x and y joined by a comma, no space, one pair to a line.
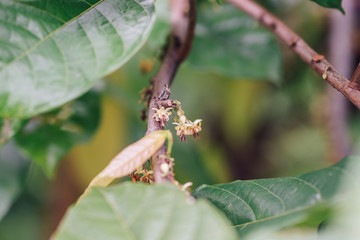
130,158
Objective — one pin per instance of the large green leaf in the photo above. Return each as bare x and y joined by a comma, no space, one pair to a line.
47,138
330,4
229,42
53,51
275,202
142,212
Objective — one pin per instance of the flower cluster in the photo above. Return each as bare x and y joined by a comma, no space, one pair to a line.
162,115
166,166
143,175
186,127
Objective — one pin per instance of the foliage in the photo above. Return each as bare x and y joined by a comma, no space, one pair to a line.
238,45
127,211
56,51
330,4
52,54
275,203
47,138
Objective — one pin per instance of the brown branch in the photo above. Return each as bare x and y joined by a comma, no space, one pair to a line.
299,46
355,79
183,18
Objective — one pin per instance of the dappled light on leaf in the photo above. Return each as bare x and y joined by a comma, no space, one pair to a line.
52,53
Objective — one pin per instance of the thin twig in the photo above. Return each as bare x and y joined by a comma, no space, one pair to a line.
355,79
299,46
183,18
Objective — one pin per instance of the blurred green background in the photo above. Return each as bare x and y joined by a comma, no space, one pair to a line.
263,117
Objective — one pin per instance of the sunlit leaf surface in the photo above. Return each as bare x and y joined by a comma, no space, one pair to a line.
53,51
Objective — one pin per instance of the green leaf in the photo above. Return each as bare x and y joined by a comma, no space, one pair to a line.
142,212
229,42
47,138
273,203
53,51
330,4
345,224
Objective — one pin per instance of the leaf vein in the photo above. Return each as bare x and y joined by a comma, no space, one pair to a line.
239,198
39,9
344,171
112,25
167,223
118,216
66,66
274,216
20,27
30,49
272,193
91,44
308,184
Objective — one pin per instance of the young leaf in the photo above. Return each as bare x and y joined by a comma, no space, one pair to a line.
330,4
130,158
270,204
53,51
142,212
230,43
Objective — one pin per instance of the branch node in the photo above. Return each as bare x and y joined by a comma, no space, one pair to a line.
306,53
176,50
355,79
272,26
317,58
355,85
261,18
165,94
293,42
325,74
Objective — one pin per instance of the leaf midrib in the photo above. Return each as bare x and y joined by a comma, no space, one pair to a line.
118,215
30,49
282,214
